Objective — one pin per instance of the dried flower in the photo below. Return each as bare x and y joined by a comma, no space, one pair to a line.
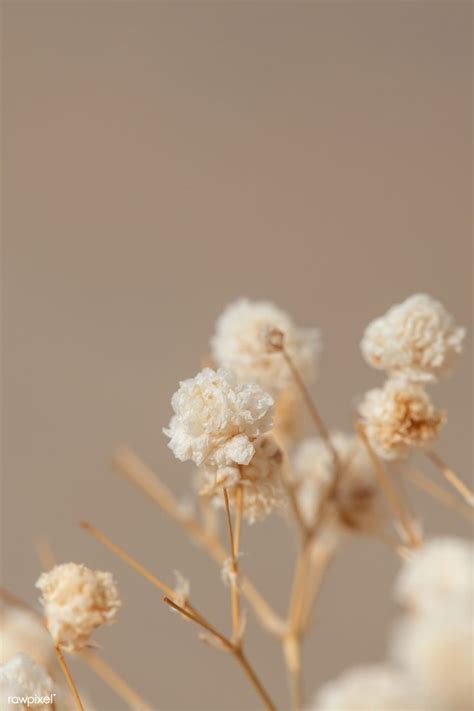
22,631
417,339
217,419
439,577
76,601
240,343
369,688
357,503
182,589
400,416
260,481
25,684
438,650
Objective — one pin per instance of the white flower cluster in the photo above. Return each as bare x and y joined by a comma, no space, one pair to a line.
76,601
415,342
357,503
260,481
217,419
240,343
398,417
416,339
432,651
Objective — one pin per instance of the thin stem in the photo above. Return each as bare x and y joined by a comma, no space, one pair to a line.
45,554
138,567
130,465
313,410
232,648
389,490
234,582
292,652
114,681
69,679
437,492
451,477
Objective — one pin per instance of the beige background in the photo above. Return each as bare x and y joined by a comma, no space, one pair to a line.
162,159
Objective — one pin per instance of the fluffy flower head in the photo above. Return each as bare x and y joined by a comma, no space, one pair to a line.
399,416
217,419
259,481
240,344
440,577
417,339
369,688
76,601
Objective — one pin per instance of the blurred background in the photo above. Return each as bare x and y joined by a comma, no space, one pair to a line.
160,160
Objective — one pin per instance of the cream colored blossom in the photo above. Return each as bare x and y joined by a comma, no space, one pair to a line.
357,502
260,481
22,631
240,344
217,419
417,339
370,688
438,651
398,417
22,678
76,601
439,578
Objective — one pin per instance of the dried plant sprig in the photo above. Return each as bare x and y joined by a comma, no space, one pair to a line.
68,676
128,463
423,482
451,477
390,492
234,542
232,648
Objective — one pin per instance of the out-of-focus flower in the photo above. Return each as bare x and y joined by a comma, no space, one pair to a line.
260,481
369,688
438,650
217,419
240,343
22,631
439,578
357,502
416,339
398,417
25,684
76,601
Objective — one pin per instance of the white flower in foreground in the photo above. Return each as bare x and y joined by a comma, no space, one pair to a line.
398,417
417,339
357,502
438,651
76,601
217,419
22,631
25,684
369,688
260,481
240,344
439,578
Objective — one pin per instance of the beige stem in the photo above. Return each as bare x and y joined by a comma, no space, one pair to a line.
292,653
390,492
233,649
437,492
115,681
234,582
135,470
451,477
69,679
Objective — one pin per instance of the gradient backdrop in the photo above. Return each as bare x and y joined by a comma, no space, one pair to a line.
160,160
